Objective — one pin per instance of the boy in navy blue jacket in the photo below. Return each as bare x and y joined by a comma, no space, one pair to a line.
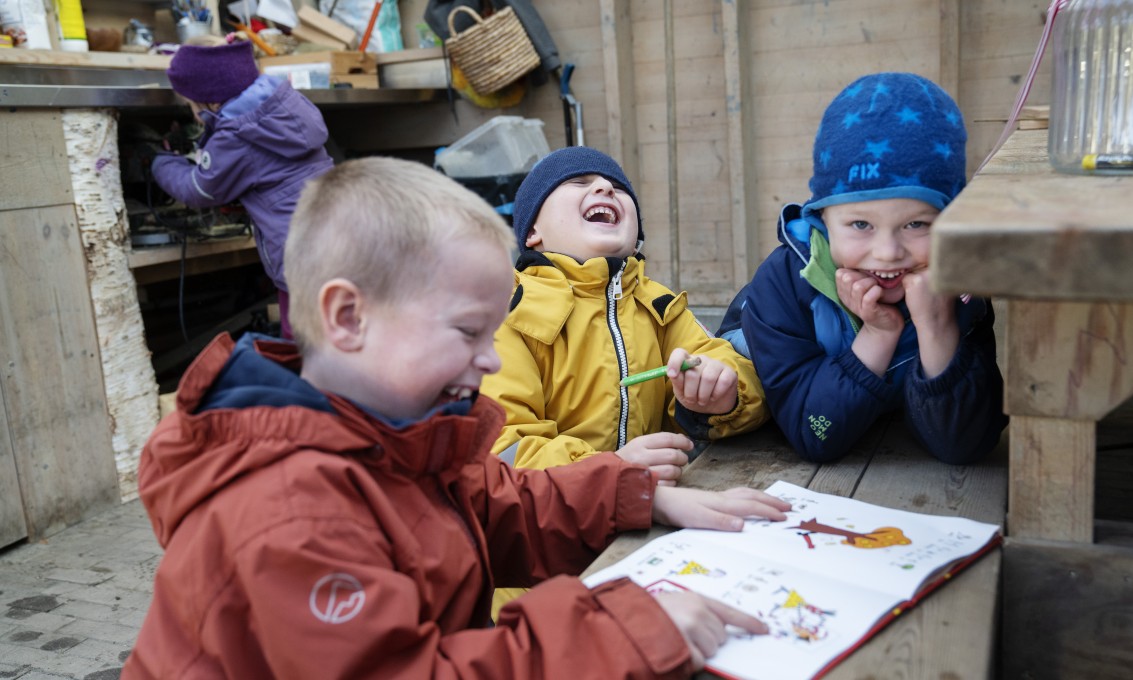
840,320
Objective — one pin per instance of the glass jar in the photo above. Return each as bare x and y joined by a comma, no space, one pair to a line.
1091,112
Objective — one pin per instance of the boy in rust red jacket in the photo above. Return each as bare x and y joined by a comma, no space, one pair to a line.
340,514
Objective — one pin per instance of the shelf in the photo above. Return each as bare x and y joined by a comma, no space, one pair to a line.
53,79
139,258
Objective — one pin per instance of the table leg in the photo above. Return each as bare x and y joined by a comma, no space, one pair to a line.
1051,482
1067,366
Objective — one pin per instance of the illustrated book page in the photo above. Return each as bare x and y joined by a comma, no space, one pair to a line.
824,580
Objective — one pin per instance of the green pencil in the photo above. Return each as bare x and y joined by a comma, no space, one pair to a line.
658,372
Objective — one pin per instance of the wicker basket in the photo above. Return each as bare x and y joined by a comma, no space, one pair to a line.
493,52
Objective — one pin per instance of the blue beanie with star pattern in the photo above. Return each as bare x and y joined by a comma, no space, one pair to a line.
888,135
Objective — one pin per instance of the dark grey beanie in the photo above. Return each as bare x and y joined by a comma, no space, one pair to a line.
556,168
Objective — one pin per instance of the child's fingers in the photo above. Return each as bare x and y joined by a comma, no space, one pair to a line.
731,616
663,440
747,507
676,360
748,493
722,386
666,473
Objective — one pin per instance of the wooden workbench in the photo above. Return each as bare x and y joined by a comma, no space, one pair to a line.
1056,249
951,634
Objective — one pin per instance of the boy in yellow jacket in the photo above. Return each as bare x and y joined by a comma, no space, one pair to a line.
584,315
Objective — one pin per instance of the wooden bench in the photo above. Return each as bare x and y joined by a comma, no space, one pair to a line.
951,633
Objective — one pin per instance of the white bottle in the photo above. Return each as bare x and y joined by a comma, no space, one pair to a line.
26,22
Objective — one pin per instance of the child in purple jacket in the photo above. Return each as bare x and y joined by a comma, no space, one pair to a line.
262,142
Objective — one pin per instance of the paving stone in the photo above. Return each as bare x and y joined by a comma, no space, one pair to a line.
84,576
71,606
111,594
45,621
100,651
91,611
133,618
21,655
10,671
24,636
101,630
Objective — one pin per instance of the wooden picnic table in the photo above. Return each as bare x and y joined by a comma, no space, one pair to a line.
1055,249
952,632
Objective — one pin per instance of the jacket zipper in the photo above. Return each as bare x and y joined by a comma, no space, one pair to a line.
613,294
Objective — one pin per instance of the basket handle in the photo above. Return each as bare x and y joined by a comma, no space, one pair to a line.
465,9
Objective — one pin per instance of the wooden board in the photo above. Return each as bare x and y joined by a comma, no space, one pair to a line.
115,60
34,164
341,62
1052,479
313,35
1066,610
321,22
49,368
1068,359
1022,230
12,524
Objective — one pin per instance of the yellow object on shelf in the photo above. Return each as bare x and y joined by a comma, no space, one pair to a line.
72,28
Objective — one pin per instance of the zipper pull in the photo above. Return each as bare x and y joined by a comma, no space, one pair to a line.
616,284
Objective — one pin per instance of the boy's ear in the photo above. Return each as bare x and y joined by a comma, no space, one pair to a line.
341,312
534,238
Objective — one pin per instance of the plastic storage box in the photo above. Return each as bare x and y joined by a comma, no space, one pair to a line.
505,145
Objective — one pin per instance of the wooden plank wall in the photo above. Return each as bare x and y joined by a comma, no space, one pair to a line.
51,388
712,106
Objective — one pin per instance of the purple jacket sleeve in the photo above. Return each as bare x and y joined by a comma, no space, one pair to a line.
221,176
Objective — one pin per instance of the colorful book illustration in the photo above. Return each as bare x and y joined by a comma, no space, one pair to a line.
824,581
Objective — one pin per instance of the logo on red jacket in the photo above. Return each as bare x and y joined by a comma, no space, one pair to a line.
337,598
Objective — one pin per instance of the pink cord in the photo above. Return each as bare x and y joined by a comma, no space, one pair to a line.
1021,98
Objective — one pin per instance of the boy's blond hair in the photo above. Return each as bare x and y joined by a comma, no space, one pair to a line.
379,223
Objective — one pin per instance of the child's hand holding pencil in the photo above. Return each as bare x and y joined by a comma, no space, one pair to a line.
659,372
700,383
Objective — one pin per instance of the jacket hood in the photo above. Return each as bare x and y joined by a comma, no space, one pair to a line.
273,116
242,407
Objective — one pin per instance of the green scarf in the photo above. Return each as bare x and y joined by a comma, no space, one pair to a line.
819,273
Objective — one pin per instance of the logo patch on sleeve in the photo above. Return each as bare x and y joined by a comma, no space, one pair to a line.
337,598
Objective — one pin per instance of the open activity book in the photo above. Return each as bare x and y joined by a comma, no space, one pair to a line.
824,581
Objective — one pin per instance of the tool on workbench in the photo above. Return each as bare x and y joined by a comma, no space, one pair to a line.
572,108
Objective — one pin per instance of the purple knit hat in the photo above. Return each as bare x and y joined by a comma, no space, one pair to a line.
212,74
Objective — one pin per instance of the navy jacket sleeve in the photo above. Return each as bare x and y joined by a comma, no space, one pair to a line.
958,415
823,404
